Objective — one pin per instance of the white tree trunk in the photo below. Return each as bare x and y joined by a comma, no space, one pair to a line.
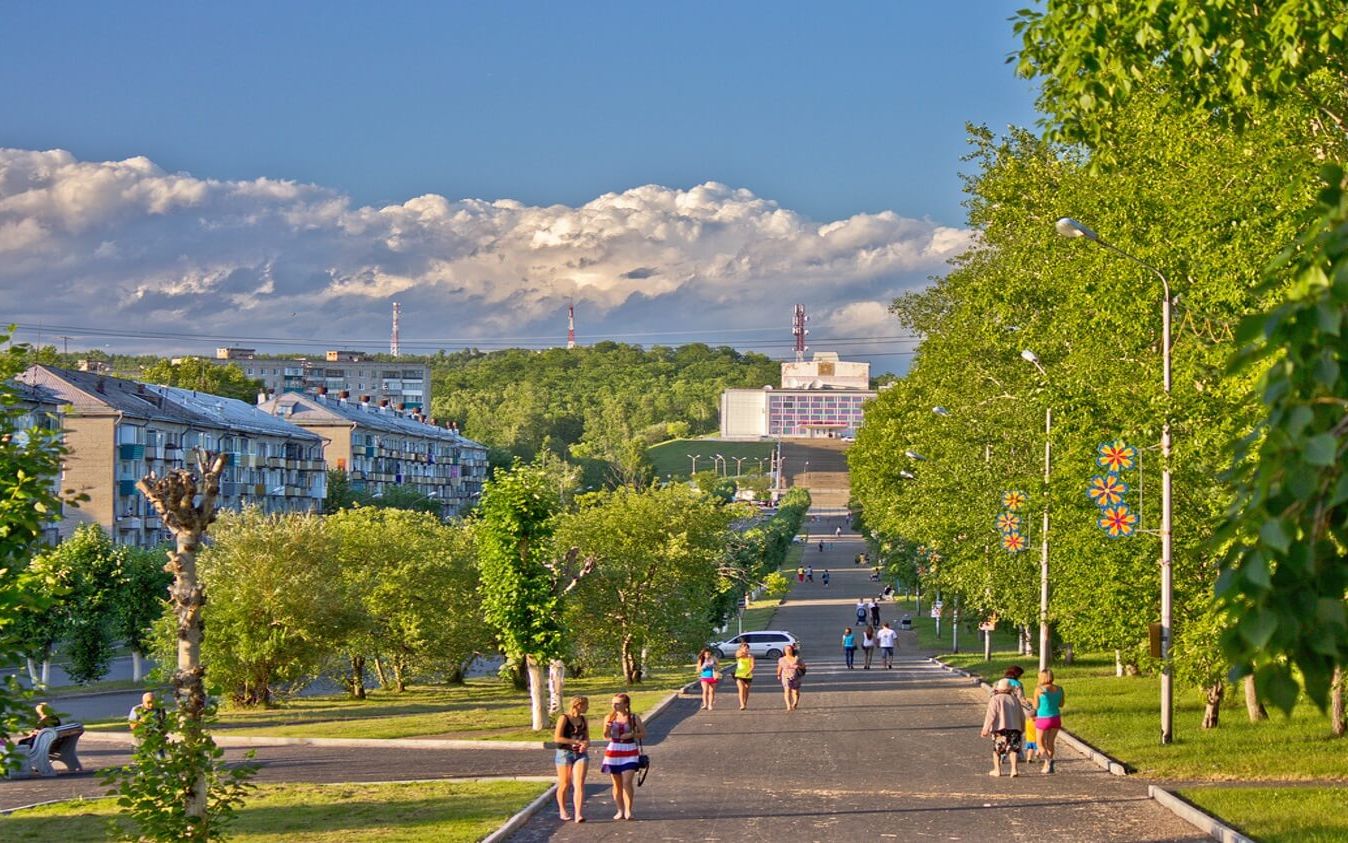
32,671
556,685
537,715
137,668
1118,662
46,672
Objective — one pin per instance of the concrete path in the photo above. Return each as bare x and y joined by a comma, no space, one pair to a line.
869,755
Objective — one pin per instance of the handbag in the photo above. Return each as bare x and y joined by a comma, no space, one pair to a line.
643,764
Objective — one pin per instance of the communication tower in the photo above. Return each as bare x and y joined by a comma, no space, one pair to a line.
570,325
393,342
798,330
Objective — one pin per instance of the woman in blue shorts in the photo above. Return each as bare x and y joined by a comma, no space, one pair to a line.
573,757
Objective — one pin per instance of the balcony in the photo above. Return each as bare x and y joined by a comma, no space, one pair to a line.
130,452
130,522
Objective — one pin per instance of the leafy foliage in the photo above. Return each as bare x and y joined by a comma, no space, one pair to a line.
170,757
193,373
1286,578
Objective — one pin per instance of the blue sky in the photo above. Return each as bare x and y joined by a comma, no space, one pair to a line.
827,111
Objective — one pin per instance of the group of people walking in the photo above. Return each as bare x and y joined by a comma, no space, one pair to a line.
622,756
871,639
1005,720
790,670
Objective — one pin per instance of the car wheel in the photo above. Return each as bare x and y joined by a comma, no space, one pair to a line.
774,653
721,654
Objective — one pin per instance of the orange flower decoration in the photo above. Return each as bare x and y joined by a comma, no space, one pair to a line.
1118,521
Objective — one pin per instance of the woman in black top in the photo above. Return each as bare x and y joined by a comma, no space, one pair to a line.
573,759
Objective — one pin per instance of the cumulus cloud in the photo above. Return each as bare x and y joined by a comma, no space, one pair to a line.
125,244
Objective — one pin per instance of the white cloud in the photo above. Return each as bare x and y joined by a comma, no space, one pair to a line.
168,251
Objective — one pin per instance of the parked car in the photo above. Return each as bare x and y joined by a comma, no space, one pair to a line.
768,643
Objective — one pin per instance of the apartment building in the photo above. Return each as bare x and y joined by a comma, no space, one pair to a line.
39,408
404,385
117,431
381,447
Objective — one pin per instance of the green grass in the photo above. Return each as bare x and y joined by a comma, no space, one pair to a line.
346,813
1121,716
671,458
1278,814
102,687
482,709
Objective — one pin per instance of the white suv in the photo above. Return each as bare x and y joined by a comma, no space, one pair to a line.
769,643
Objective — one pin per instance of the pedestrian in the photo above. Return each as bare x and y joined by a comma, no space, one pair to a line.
1005,723
861,611
821,547
624,731
849,647
572,736
809,573
800,574
708,677
744,674
790,669
837,531
1048,700
824,577
885,639
875,613
148,710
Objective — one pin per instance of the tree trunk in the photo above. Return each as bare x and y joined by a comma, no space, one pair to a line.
399,676
32,671
629,661
380,674
556,685
1338,721
537,716
174,498
355,682
137,668
1068,654
46,672
1212,711
1253,707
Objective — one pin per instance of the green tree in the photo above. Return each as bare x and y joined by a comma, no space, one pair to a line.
659,557
522,580
196,374
141,597
30,460
278,611
415,583
1283,583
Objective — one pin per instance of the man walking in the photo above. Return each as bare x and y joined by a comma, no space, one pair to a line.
885,638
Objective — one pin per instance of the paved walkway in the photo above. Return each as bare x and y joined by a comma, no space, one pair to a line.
869,755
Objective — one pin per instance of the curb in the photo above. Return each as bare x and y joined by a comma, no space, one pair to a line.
370,743
1196,817
526,813
1105,762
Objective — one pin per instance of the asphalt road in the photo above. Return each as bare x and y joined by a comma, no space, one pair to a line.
869,755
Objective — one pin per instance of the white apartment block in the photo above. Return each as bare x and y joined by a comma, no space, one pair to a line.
406,386
381,447
117,431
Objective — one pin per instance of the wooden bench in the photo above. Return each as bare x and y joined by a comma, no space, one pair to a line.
58,743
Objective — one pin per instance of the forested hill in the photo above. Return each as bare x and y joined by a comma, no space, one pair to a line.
596,396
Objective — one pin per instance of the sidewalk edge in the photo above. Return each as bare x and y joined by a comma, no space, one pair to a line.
1195,816
1105,762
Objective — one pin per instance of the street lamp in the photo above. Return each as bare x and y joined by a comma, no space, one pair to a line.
1068,227
914,455
907,475
1033,359
694,458
739,463
720,459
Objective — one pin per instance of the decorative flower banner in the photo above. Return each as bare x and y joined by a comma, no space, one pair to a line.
1009,521
1107,490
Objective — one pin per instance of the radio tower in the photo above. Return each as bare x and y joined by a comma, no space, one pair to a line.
799,331
570,325
393,341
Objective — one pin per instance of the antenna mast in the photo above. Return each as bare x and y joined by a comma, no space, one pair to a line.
570,325
393,341
798,330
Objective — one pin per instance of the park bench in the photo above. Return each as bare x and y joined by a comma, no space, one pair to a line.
58,743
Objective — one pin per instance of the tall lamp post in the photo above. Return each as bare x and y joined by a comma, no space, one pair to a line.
1033,359
1068,227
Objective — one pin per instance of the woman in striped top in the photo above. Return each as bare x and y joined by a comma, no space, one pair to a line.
623,729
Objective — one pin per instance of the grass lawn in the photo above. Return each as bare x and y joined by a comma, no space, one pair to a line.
388,813
671,458
1279,814
482,709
